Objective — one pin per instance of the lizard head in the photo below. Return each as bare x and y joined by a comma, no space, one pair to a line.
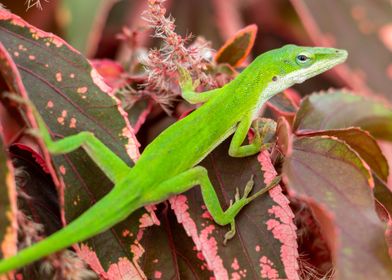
301,63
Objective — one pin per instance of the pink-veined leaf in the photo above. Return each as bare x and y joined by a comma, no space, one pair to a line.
354,21
333,179
264,245
72,97
237,48
170,252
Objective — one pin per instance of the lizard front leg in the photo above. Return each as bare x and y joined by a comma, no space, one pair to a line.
198,176
236,148
112,165
188,89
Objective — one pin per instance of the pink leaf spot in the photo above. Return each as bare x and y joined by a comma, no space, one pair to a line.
50,104
60,120
59,77
31,57
16,54
72,75
125,233
137,250
235,264
235,276
155,261
21,48
257,248
72,123
82,90
62,169
267,270
206,215
385,34
145,221
157,275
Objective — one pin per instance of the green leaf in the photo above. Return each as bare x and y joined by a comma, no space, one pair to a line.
363,28
333,179
237,48
83,22
71,97
342,109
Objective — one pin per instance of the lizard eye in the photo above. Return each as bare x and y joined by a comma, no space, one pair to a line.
303,59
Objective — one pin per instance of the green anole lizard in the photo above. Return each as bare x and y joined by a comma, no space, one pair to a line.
169,164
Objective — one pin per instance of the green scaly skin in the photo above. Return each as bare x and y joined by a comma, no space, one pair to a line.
168,165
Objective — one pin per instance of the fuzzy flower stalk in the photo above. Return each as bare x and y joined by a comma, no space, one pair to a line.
162,64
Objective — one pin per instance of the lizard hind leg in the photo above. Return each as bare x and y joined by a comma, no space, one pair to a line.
198,176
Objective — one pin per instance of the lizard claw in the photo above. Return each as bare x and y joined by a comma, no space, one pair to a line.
249,187
230,234
237,194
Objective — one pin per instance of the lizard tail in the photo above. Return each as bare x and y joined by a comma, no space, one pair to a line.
110,210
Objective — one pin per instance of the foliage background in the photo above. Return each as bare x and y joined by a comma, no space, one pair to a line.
362,27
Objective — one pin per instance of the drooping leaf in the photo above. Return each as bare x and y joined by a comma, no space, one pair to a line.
83,22
383,194
237,48
342,109
283,136
72,97
264,227
284,104
367,148
364,144
330,176
363,27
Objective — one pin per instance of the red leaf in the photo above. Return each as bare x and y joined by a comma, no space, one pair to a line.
237,48
328,174
342,109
